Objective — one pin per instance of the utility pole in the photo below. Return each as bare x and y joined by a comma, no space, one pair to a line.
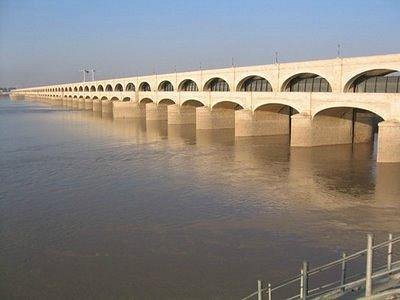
339,54
93,74
84,71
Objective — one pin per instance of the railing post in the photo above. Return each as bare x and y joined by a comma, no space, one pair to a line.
259,289
368,268
343,276
269,292
389,254
304,281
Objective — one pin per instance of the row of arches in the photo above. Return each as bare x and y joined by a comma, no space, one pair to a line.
373,81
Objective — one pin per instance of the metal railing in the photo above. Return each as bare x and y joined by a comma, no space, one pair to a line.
345,283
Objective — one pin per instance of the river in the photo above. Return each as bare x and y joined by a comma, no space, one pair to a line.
95,208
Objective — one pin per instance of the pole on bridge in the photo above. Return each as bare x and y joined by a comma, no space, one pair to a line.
368,267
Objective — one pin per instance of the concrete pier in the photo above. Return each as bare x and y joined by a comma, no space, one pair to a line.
178,115
260,123
81,103
156,112
128,110
389,142
97,105
217,118
88,104
301,131
107,107
75,103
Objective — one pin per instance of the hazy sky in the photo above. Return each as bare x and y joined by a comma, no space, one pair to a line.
49,41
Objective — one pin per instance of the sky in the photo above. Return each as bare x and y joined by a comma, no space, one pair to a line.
47,41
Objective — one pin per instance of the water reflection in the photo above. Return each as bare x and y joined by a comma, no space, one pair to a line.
93,207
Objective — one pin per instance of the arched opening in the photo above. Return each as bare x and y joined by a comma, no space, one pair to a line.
254,84
306,82
166,102
104,98
75,89
228,105
144,87
109,88
188,85
114,99
166,86
70,89
62,89
216,85
272,119
75,96
80,97
374,81
119,88
87,97
126,99
86,89
92,88
81,89
344,125
145,100
100,88
194,103
95,98
130,87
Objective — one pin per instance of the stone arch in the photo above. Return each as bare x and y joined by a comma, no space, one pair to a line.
70,89
344,125
228,105
144,87
365,107
75,96
277,108
95,98
188,85
80,97
145,100
114,99
104,98
126,99
86,89
374,81
216,84
62,89
306,82
75,89
118,88
92,88
166,101
81,89
254,83
166,86
100,88
130,87
192,102
109,88
87,97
